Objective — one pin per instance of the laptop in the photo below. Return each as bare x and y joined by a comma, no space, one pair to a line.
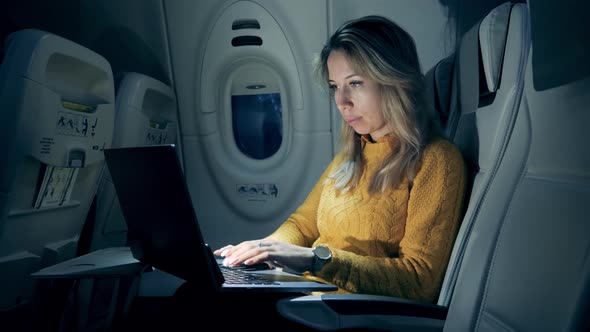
163,229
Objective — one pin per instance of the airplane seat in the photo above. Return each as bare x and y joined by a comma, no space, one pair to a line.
532,271
145,115
485,101
474,110
486,90
57,103
440,91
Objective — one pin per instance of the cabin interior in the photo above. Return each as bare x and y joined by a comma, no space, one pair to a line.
509,82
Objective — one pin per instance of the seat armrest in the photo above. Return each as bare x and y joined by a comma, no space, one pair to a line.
345,311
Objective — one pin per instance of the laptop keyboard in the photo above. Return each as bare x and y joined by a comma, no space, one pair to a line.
237,276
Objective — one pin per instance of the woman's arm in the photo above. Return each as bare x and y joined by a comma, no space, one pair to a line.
295,235
301,227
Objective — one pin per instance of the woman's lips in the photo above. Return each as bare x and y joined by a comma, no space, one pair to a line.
352,120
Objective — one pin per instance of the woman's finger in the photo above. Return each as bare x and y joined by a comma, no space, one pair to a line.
223,251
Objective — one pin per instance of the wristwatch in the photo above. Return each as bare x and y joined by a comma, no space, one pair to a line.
322,255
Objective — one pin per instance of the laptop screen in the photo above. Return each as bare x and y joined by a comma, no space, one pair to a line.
162,226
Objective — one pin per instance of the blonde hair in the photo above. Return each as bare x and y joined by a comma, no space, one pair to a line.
385,53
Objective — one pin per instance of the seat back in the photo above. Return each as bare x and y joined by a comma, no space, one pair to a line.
57,104
483,99
527,267
145,115
441,89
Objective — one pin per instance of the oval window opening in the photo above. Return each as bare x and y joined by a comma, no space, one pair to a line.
257,123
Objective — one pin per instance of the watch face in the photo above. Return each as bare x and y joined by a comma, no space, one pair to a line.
322,252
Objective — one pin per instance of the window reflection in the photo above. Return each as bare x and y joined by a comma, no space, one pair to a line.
257,124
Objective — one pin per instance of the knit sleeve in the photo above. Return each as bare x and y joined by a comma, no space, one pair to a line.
432,221
301,227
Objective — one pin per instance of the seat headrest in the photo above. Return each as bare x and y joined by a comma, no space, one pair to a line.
439,81
492,41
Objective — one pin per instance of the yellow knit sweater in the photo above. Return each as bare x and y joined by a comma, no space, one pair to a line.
395,243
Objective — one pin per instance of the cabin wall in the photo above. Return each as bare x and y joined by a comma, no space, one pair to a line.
212,174
131,34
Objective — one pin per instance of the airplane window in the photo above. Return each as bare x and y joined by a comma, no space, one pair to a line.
257,123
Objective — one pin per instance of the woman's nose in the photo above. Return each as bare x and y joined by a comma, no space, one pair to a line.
342,98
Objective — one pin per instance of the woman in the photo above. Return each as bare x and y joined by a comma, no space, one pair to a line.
383,217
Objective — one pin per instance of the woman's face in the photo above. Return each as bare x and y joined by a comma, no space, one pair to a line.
358,98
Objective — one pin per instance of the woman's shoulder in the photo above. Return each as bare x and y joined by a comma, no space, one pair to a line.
441,149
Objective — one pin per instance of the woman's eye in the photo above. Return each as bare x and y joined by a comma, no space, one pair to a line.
332,87
355,84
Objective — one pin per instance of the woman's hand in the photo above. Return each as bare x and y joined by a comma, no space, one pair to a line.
267,250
